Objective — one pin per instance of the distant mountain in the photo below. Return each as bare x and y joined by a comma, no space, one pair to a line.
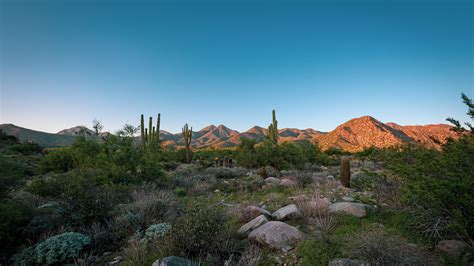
74,131
42,138
353,135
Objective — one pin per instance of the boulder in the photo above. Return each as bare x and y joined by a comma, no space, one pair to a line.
453,248
250,212
348,262
352,208
286,182
272,180
255,223
277,235
287,212
174,261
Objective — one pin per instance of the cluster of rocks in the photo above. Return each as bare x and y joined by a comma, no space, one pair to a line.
270,229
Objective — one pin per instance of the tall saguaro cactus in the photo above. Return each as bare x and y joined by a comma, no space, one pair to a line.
273,129
142,129
187,135
157,137
151,134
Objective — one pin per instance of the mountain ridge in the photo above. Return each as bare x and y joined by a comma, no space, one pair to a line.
353,135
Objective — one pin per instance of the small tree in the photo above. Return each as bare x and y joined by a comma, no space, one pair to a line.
97,126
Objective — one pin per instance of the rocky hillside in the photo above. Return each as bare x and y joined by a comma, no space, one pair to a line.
353,135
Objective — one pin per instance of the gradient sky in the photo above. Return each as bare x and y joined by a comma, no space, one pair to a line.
318,63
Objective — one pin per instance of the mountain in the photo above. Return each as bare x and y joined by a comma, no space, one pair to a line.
429,135
73,131
42,138
353,135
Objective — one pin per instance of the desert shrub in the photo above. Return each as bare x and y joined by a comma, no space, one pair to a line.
109,235
187,176
27,148
180,192
246,153
374,245
251,256
180,155
85,196
26,257
204,232
60,160
317,252
226,172
365,181
149,206
157,230
439,181
61,248
13,218
12,174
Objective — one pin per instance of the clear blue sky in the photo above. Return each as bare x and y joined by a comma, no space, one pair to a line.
318,63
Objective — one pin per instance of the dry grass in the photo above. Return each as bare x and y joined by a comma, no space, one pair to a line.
251,256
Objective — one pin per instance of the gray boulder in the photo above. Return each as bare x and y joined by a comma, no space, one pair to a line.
277,235
287,212
286,182
250,212
453,248
352,208
255,223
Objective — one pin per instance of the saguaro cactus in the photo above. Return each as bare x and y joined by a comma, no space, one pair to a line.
142,129
273,129
345,171
150,134
187,135
157,137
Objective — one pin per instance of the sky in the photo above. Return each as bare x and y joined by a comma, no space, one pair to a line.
317,63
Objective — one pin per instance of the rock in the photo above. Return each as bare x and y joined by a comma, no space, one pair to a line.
114,262
255,223
352,208
348,199
348,262
250,212
290,211
272,180
174,261
277,235
286,182
118,258
453,248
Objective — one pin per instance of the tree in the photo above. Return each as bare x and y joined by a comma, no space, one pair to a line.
470,112
97,126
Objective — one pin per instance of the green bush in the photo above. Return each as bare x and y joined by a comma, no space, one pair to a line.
204,232
59,160
317,252
27,148
13,218
180,192
85,194
61,248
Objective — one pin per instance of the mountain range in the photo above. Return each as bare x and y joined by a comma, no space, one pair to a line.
353,135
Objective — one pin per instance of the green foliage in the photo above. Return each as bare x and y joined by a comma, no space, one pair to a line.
203,232
11,175
27,148
61,248
84,193
439,182
59,160
13,218
180,192
317,252
365,181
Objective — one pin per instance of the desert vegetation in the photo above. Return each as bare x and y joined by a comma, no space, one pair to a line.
123,200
